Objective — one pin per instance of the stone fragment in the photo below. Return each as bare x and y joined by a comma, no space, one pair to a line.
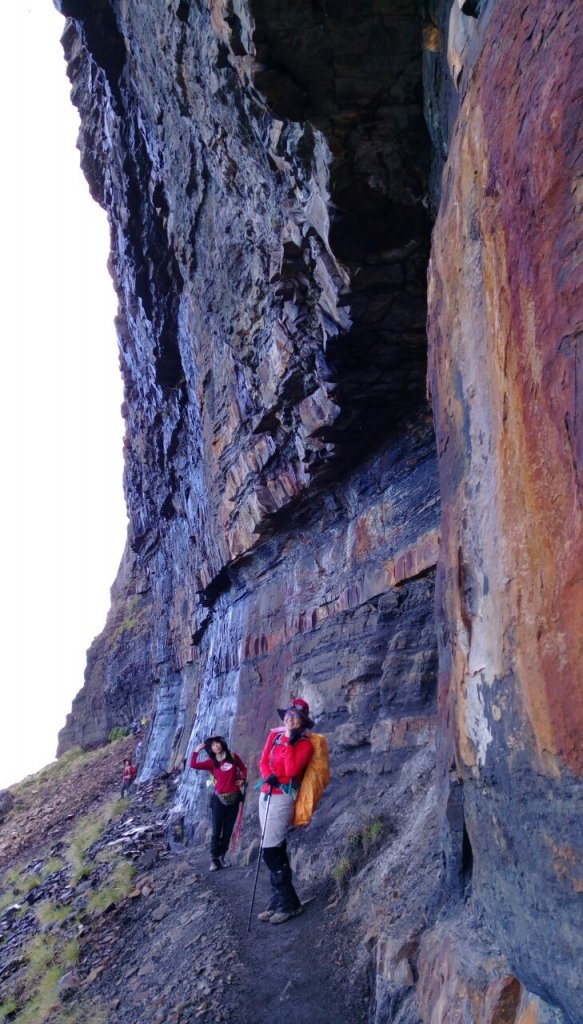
160,912
67,985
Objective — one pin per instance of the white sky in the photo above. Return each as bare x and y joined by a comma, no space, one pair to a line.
62,516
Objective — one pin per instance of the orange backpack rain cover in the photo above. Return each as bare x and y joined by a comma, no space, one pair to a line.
316,778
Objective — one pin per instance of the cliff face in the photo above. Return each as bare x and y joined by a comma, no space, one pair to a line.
270,172
504,327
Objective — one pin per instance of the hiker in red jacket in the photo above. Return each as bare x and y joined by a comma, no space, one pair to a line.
285,757
230,775
129,773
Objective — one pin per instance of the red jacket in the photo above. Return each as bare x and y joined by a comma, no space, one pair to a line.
287,762
226,773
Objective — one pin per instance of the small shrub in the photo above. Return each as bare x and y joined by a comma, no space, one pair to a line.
119,732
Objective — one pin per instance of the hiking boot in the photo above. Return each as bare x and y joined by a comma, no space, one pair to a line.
215,865
283,915
280,917
265,915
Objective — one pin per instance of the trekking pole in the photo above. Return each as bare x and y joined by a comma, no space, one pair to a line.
259,859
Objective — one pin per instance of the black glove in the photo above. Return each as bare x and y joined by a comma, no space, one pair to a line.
272,780
294,736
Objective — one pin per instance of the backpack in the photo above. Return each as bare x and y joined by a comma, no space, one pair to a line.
316,778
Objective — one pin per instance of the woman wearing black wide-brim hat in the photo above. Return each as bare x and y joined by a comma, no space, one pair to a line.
229,775
285,758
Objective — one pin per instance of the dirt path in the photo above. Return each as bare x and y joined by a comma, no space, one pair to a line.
183,954
298,968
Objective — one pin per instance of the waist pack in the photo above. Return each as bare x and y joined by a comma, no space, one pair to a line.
228,798
316,778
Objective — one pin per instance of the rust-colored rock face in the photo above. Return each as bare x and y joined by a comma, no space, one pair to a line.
460,979
505,376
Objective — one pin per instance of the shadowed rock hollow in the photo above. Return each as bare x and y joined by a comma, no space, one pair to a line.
272,174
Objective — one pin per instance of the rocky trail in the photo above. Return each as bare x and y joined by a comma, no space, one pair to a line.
174,947
181,951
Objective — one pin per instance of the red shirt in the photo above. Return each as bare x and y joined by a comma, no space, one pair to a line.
225,773
287,762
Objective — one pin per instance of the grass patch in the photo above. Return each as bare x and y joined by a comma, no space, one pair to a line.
7,898
18,885
52,865
342,871
74,759
135,618
31,791
87,833
359,843
80,872
51,913
120,884
373,832
20,882
9,1006
119,806
70,953
36,998
44,1000
38,989
39,953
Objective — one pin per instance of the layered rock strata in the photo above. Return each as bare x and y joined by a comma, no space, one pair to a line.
269,180
272,311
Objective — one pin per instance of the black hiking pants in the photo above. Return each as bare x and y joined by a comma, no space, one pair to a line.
284,898
223,820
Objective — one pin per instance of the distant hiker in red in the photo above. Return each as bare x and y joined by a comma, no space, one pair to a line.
230,775
285,757
129,773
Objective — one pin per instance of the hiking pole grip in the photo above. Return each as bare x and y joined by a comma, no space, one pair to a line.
259,859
